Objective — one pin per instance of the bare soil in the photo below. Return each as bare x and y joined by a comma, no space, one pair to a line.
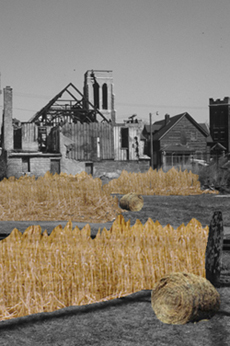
129,320
173,210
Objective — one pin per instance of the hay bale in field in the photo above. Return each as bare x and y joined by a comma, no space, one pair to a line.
132,202
179,298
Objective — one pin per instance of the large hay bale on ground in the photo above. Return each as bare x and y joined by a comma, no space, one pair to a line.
179,298
132,202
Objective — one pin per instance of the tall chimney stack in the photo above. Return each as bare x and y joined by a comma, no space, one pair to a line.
7,119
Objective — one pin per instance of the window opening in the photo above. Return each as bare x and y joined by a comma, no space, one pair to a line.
42,137
96,94
25,164
104,96
124,138
98,148
18,138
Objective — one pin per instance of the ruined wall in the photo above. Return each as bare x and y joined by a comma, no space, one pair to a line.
14,167
135,147
67,164
31,165
87,142
39,165
72,166
29,137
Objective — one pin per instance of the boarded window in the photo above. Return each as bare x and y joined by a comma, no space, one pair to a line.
54,166
25,164
124,138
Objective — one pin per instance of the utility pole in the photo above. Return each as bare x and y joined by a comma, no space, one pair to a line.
151,139
0,83
1,103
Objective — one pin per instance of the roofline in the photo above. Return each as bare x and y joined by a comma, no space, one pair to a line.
171,126
191,119
99,70
218,145
220,104
56,97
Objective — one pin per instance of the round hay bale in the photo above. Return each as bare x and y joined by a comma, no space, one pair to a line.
132,202
179,298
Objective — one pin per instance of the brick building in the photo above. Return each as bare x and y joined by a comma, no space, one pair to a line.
219,120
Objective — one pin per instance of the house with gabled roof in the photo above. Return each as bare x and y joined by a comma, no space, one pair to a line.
177,141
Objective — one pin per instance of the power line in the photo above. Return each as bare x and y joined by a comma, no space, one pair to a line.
27,110
27,95
158,106
126,104
22,109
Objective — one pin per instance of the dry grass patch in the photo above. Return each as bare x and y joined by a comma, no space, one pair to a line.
56,197
153,182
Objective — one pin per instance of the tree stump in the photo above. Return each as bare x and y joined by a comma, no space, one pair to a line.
214,248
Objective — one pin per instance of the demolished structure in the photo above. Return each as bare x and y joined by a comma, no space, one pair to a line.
77,131
73,132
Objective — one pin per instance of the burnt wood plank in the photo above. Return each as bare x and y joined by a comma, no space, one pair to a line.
213,255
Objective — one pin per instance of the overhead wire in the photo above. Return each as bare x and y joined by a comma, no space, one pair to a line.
158,106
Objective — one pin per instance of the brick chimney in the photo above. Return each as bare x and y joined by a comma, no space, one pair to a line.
167,119
7,119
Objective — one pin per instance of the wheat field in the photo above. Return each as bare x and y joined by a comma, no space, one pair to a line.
56,197
41,273
157,182
82,198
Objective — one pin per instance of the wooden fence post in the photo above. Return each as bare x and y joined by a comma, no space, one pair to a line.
213,255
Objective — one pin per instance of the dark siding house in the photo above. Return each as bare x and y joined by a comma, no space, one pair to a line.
178,141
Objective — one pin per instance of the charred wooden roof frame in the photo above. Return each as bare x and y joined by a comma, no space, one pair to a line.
74,110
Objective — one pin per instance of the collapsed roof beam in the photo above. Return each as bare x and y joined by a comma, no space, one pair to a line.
96,109
90,115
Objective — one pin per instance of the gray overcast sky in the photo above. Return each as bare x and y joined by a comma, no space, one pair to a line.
168,56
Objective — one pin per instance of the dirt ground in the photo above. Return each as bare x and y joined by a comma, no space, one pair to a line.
173,210
129,320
